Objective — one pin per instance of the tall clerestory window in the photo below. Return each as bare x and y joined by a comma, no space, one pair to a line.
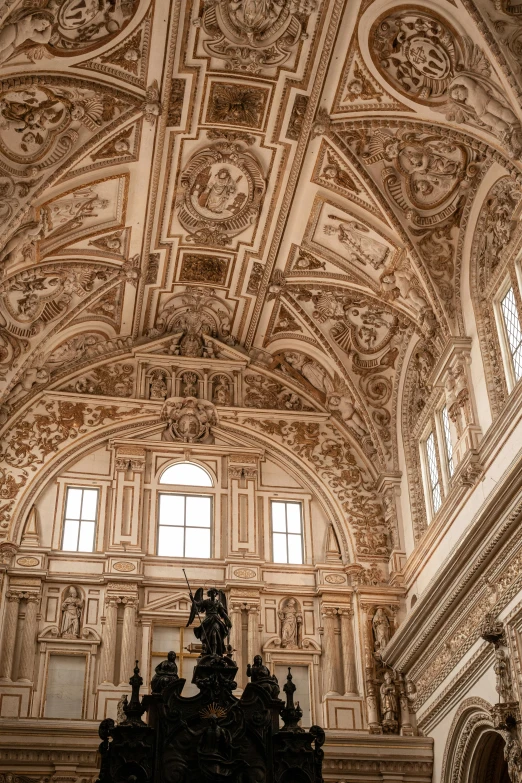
185,518
433,473
511,331
287,532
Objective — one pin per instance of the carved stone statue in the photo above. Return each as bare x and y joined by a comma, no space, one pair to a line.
291,621
381,629
166,672
221,394
216,625
513,756
158,385
503,685
71,615
389,703
188,420
260,675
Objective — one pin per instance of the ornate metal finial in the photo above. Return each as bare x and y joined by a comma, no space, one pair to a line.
134,709
291,714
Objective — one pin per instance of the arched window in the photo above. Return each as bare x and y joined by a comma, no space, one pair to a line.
187,475
184,520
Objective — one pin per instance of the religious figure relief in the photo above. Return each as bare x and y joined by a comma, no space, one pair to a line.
420,55
359,247
335,174
423,363
222,189
215,626
158,389
381,629
251,35
262,392
188,420
291,619
72,608
504,685
62,27
389,704
513,757
221,390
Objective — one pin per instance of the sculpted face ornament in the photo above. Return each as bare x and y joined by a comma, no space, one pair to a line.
223,187
188,420
254,34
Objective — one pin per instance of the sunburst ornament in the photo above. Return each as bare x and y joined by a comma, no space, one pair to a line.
213,711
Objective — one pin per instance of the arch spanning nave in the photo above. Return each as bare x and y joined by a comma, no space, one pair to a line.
260,319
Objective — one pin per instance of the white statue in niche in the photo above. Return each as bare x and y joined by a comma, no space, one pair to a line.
291,621
381,629
72,607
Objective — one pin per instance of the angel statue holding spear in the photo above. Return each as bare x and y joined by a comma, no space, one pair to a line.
215,627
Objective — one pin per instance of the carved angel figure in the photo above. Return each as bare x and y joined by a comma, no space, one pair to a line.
32,25
71,615
216,625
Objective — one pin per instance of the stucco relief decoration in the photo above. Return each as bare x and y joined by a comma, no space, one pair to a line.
194,316
251,35
62,27
113,380
426,177
34,438
222,188
506,19
188,420
331,456
495,227
421,55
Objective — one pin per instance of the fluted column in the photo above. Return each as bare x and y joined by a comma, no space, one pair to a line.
253,622
128,640
348,648
328,656
109,639
10,623
236,640
26,667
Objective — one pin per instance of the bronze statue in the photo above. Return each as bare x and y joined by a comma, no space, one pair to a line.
216,625
166,672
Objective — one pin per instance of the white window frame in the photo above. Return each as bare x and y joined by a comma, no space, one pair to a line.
445,442
505,347
184,495
426,476
301,534
65,519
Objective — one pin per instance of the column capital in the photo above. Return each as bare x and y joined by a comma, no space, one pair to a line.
345,611
32,597
111,600
328,611
130,602
12,596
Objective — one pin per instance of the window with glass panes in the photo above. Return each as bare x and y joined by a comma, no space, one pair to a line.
287,532
433,473
510,315
446,431
79,527
184,528
187,649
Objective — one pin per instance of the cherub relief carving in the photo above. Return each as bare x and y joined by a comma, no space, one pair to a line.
62,27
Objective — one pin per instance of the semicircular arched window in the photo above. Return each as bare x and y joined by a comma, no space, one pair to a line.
187,474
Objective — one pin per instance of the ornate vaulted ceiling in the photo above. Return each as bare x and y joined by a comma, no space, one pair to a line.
296,178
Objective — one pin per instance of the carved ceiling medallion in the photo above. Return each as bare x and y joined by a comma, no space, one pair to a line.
223,187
